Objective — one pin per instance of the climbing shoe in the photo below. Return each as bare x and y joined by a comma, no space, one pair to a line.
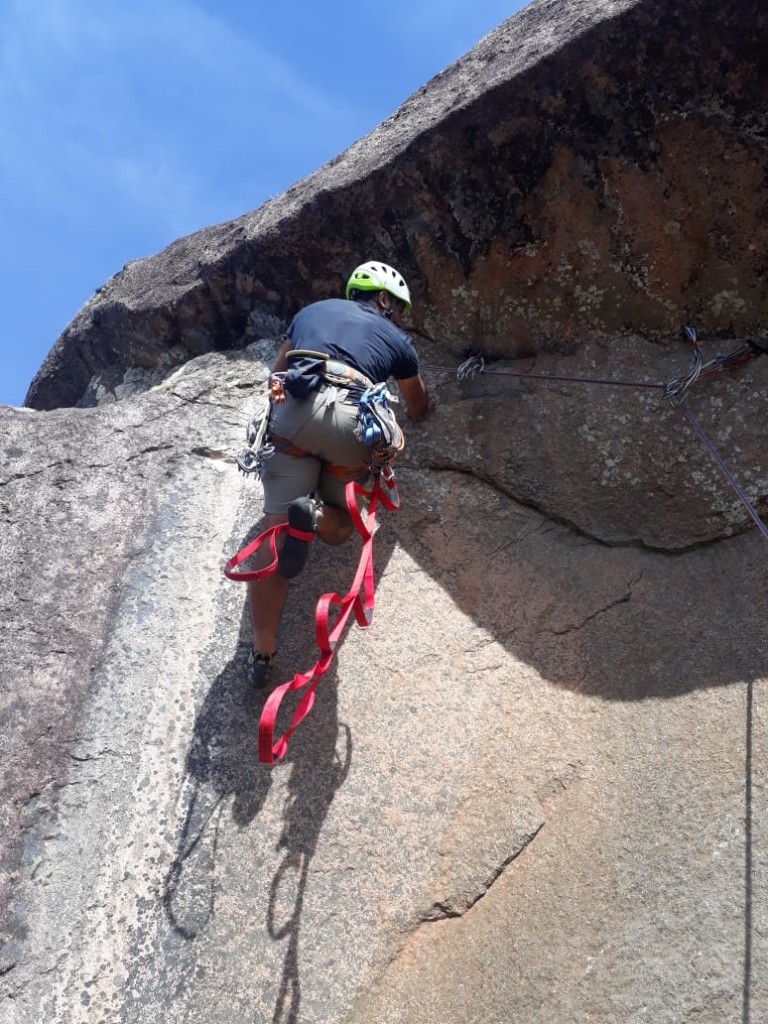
303,514
259,667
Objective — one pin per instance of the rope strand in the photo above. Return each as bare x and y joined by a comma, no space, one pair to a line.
724,469
543,376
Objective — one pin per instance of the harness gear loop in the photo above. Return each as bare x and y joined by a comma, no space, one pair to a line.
299,353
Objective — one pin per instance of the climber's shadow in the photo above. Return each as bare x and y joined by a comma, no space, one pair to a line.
221,764
223,770
321,755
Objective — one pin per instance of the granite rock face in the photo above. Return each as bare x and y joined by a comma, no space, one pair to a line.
532,790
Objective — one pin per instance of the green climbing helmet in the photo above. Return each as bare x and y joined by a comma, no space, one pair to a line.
378,277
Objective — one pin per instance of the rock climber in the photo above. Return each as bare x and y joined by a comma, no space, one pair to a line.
329,420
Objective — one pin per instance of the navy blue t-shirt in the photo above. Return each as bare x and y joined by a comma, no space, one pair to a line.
357,335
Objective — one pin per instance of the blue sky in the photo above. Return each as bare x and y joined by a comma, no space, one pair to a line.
124,125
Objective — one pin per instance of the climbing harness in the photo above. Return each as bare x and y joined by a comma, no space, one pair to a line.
377,425
378,429
676,390
359,600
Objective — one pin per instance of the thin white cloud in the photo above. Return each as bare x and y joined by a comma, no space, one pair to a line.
78,76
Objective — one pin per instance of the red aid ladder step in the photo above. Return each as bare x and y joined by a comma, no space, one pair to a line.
358,599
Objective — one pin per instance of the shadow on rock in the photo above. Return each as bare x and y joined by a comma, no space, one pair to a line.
619,623
320,755
221,764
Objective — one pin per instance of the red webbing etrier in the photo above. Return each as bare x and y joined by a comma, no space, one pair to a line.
270,752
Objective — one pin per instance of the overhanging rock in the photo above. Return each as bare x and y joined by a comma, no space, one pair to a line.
591,167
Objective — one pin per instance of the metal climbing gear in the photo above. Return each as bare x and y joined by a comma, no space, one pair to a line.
677,388
259,448
471,367
377,426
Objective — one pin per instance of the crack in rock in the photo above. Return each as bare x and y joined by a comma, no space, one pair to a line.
506,492
576,626
559,520
457,906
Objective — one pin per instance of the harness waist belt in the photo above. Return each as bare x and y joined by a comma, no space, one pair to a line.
311,370
344,376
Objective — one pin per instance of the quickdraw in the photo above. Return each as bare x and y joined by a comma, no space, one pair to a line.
359,600
677,388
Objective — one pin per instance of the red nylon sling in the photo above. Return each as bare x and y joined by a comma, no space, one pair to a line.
359,600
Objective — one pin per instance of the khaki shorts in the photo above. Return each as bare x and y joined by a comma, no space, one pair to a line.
323,427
